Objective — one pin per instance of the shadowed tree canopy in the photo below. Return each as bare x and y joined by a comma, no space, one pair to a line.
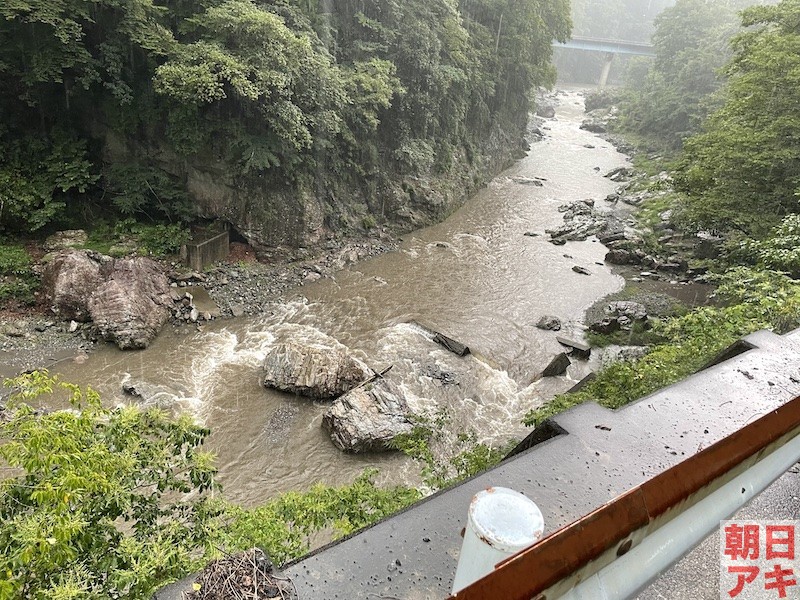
101,98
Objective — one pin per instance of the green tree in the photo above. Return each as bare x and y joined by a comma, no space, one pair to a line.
691,42
743,171
98,503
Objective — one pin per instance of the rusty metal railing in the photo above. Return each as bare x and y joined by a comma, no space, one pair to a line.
548,569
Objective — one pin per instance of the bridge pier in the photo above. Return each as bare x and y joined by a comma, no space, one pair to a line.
606,69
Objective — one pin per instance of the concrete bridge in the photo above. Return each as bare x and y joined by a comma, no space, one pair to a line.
611,48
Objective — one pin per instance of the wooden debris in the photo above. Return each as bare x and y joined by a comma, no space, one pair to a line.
245,576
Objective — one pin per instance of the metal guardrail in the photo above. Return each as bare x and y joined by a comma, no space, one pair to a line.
751,457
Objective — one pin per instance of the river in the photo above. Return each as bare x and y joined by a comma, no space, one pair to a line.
476,277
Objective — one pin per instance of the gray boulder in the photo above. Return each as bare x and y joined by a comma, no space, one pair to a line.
132,305
558,366
619,257
69,280
368,418
634,311
614,354
323,370
581,220
535,181
61,240
597,120
549,323
595,125
546,111
606,326
620,174
127,299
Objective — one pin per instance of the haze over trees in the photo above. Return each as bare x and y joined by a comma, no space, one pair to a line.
629,20
673,93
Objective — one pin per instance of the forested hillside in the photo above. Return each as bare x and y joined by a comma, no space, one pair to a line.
675,92
721,96
291,119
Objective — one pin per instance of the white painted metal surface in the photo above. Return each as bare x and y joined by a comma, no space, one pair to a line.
500,523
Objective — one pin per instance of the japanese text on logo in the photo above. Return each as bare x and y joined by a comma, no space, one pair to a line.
758,560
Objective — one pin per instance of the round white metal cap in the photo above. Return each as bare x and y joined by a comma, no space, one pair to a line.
505,519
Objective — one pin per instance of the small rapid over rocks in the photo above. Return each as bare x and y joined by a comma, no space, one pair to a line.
485,277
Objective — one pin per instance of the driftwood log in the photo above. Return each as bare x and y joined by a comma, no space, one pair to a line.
445,342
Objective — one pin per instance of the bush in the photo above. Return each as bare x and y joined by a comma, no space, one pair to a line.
155,240
282,527
781,250
38,177
17,281
446,462
99,503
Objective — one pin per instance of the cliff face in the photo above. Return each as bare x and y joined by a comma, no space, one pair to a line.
308,214
293,120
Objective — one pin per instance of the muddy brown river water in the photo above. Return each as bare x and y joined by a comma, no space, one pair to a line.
475,277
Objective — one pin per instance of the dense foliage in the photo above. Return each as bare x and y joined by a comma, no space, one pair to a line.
742,173
672,94
283,526
18,282
93,502
108,104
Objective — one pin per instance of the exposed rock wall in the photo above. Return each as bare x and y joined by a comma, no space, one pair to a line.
307,214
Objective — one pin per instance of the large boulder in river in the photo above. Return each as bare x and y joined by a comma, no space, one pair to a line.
127,299
368,418
549,323
70,279
132,305
581,220
322,369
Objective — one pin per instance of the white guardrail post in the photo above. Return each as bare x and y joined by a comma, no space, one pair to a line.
500,523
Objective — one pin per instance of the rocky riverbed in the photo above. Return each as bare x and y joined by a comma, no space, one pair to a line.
242,285
246,284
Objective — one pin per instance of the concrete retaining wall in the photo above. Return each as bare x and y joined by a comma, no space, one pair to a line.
200,254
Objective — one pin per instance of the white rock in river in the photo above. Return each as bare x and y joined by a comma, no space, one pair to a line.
368,418
322,368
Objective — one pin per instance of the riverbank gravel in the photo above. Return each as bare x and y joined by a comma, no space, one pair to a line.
243,285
